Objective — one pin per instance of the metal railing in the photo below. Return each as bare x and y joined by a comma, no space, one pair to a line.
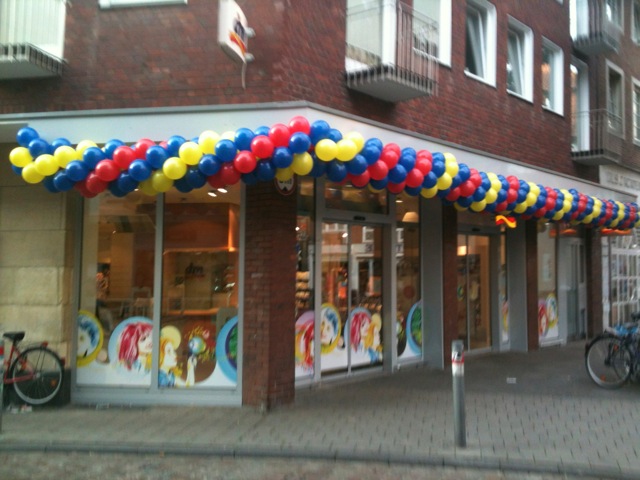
597,134
593,28
389,36
32,24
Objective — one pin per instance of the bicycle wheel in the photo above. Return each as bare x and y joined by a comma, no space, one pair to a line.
608,362
37,373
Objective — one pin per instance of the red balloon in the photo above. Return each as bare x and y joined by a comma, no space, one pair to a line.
229,174
262,146
245,162
299,124
424,164
453,194
394,147
424,155
396,187
512,195
501,207
390,157
95,184
279,135
514,183
123,156
379,170
216,180
476,179
360,180
82,188
550,203
107,170
414,178
467,188
141,147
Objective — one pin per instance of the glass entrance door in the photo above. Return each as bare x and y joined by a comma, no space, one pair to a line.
350,318
474,292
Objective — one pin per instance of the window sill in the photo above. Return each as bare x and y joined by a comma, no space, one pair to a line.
551,110
520,97
480,79
108,4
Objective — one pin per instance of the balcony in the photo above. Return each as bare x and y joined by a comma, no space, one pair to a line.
31,38
597,138
593,29
391,51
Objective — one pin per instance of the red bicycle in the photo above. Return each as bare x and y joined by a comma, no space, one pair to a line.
35,372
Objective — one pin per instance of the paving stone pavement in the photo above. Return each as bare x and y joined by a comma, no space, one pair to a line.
534,412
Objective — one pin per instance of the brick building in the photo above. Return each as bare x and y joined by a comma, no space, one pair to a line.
170,268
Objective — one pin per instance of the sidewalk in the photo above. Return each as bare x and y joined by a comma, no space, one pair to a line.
533,411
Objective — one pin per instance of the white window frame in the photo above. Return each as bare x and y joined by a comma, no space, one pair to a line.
444,30
487,12
635,105
556,77
635,21
525,53
580,120
618,20
138,3
611,67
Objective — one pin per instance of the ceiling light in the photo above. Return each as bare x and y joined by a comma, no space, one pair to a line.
212,194
222,190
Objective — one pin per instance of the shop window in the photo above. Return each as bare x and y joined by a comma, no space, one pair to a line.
615,99
636,111
116,300
519,59
481,40
548,328
138,3
552,77
347,197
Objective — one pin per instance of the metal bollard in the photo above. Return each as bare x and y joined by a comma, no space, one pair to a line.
457,372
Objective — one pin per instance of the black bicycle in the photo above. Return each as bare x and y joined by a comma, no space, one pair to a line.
613,357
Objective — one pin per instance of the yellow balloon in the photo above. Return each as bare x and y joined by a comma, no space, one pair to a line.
228,135
356,138
496,184
190,153
147,188
46,165
444,181
450,165
207,141
30,174
491,196
566,206
347,149
326,150
83,145
160,182
429,192
558,215
531,199
520,207
302,163
534,188
65,154
588,219
478,206
20,157
284,174
173,168
459,207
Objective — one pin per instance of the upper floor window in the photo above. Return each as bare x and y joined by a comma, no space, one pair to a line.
138,3
481,40
636,110
615,98
552,76
519,59
635,21
440,11
579,105
613,9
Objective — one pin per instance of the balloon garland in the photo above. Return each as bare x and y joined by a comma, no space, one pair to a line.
299,148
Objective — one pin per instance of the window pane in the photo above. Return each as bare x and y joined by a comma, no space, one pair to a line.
614,106
548,94
347,197
515,63
636,112
636,21
475,48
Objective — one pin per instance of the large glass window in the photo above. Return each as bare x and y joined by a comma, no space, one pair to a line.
548,329
347,197
440,11
579,106
480,40
519,59
615,99
636,110
552,77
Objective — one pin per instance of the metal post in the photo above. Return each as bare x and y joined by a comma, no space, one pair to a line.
1,380
457,373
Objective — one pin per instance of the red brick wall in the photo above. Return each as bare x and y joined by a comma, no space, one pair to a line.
269,305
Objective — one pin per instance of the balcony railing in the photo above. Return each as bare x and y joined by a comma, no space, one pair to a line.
593,29
391,51
597,138
31,38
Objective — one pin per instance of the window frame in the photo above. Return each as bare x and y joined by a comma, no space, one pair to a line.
635,106
613,68
444,29
107,4
487,13
556,86
580,117
525,34
617,17
635,21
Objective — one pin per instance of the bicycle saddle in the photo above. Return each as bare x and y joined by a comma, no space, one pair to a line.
14,336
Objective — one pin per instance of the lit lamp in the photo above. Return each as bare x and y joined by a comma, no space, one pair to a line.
411,217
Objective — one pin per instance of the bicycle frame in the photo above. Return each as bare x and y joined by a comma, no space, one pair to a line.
15,350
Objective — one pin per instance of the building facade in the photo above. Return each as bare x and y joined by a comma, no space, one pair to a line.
195,192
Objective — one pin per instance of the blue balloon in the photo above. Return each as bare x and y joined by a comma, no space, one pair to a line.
437,164
486,183
413,191
371,153
16,170
209,165
262,130
524,186
60,142
522,195
265,170
243,138
156,156
26,135
299,142
318,131
464,201
479,194
62,182
374,142
126,183
430,180
397,174
502,196
249,178
91,156
463,172
173,145
115,190
336,171
195,178
111,146
334,134
140,170
226,150
49,184
379,184
38,147
357,166
455,181
282,157
319,167
77,170
182,185
408,158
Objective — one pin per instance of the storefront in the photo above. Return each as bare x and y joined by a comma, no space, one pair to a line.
160,290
